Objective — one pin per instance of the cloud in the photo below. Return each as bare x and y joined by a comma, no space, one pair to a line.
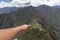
46,2
22,3
13,3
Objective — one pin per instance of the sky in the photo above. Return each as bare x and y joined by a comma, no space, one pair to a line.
22,3
6,0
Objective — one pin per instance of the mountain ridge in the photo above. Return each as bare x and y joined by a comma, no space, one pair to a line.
49,16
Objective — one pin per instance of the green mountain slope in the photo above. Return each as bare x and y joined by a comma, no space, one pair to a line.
52,17
36,32
40,29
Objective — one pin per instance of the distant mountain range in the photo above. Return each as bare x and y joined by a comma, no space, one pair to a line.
57,6
8,9
11,9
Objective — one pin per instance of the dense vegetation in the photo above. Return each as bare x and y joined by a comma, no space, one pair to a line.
40,30
36,32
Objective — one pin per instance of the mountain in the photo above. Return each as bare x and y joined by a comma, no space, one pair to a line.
51,16
8,9
57,6
47,18
11,9
20,14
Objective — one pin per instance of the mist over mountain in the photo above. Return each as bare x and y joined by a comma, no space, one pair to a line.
57,6
8,9
11,9
19,3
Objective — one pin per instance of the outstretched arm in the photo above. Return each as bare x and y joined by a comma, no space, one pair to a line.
10,34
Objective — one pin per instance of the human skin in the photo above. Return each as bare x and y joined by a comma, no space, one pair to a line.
10,33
